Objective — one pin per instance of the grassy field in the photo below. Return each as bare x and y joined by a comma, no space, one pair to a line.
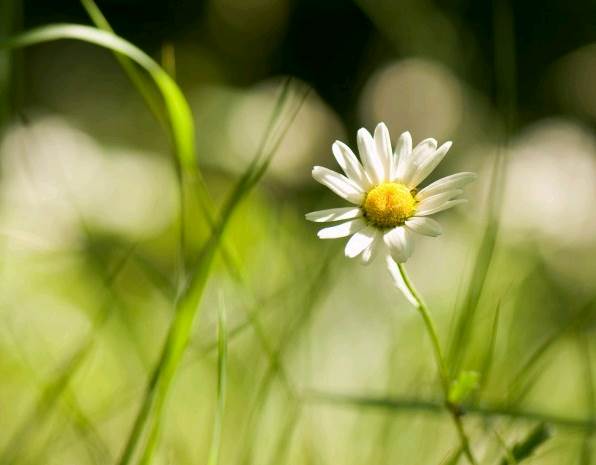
164,300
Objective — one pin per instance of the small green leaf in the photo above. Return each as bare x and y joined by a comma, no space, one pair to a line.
463,386
527,446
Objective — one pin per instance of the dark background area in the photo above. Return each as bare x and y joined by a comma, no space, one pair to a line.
328,43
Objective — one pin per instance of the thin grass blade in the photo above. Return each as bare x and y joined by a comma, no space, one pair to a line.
187,309
484,410
487,361
524,449
587,446
453,457
222,356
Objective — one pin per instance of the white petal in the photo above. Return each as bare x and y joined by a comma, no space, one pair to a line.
383,146
368,255
435,201
403,150
339,184
424,149
455,181
425,226
334,214
360,241
399,282
350,164
400,243
445,206
429,164
368,155
408,167
342,230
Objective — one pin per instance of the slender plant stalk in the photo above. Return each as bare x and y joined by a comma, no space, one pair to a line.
149,418
587,446
487,412
441,365
222,351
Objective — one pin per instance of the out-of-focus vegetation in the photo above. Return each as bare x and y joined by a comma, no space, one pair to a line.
163,299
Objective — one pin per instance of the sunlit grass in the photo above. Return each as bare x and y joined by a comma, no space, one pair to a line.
234,337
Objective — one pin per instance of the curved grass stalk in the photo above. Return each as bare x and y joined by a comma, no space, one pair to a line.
183,137
179,114
179,117
441,365
182,128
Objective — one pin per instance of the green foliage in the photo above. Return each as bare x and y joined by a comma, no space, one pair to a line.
150,414
278,336
463,386
524,449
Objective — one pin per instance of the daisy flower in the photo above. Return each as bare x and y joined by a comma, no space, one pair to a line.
388,208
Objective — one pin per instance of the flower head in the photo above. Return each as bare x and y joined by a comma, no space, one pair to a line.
388,208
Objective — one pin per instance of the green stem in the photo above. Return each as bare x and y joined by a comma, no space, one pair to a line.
441,365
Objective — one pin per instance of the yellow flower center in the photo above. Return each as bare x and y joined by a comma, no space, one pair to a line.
389,204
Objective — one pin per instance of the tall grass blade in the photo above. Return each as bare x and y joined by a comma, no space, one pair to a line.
222,356
479,276
587,447
186,311
506,102
195,182
487,361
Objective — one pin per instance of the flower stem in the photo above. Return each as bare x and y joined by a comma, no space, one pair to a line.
441,365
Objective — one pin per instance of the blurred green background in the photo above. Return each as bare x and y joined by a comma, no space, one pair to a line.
327,363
